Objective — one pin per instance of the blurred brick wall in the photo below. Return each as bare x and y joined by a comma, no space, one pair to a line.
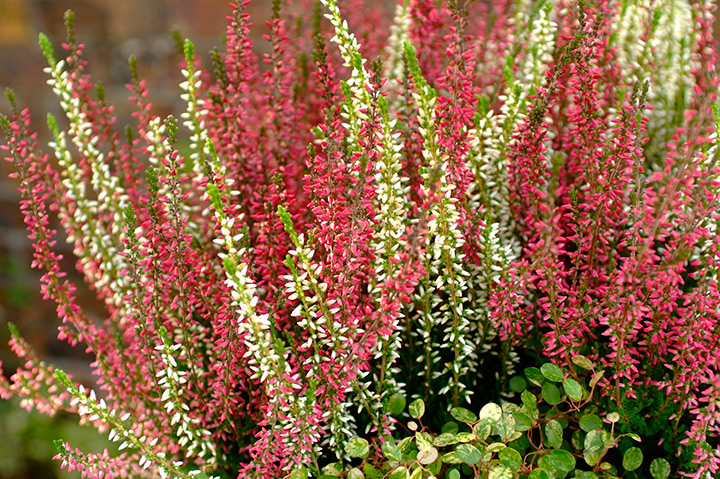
112,31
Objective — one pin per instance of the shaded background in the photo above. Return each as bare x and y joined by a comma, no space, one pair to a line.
112,31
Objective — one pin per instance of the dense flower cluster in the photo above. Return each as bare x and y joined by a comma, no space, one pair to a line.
509,185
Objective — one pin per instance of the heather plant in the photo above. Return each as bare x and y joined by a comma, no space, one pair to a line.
481,244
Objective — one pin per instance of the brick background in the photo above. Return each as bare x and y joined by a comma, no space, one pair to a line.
112,31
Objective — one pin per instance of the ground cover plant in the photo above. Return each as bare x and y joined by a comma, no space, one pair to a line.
466,239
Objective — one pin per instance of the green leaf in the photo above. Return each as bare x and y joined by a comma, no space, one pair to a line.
355,473
333,469
417,408
530,404
445,439
427,456
528,399
468,454
596,440
552,372
596,377
399,473
535,376
577,439
451,458
357,447
660,468
554,434
613,417
500,472
491,411
590,422
372,472
482,429
511,458
463,415
505,427
391,451
396,404
583,362
522,421
573,389
465,437
595,443
538,474
587,475
416,473
453,474
562,460
632,459
517,384
450,426
551,394
298,474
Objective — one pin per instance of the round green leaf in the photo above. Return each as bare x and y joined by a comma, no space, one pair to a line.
298,474
590,422
465,437
577,439
453,474
396,404
391,451
505,427
427,456
445,439
450,426
632,459
573,389
583,362
468,454
491,411
551,394
535,376
587,475
596,440
511,458
451,458
355,473
538,474
660,468
528,399
554,434
417,408
482,429
334,469
595,443
522,421
357,447
463,415
500,472
517,384
562,460
399,473
613,417
552,372
371,472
